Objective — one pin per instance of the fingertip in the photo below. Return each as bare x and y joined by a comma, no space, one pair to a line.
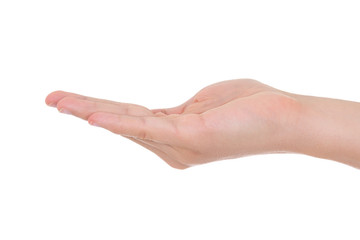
93,123
65,103
50,103
53,98
92,120
106,120
49,100
96,119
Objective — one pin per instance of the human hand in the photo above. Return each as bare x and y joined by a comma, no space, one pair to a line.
225,120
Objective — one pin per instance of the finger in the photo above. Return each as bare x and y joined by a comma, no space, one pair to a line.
158,129
170,161
84,108
53,98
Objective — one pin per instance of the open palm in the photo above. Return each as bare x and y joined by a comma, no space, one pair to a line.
224,120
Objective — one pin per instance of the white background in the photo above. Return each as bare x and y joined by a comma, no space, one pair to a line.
61,178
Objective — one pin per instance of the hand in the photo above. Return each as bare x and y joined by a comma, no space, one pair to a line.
225,120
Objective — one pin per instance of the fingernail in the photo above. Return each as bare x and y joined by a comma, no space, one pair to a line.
63,110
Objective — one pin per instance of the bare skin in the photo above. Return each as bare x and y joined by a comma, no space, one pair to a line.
227,120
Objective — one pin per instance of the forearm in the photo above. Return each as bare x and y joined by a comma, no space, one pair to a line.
328,128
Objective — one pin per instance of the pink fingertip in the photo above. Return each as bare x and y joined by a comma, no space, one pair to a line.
92,123
63,110
51,104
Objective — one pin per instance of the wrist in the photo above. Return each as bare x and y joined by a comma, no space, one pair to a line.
326,128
